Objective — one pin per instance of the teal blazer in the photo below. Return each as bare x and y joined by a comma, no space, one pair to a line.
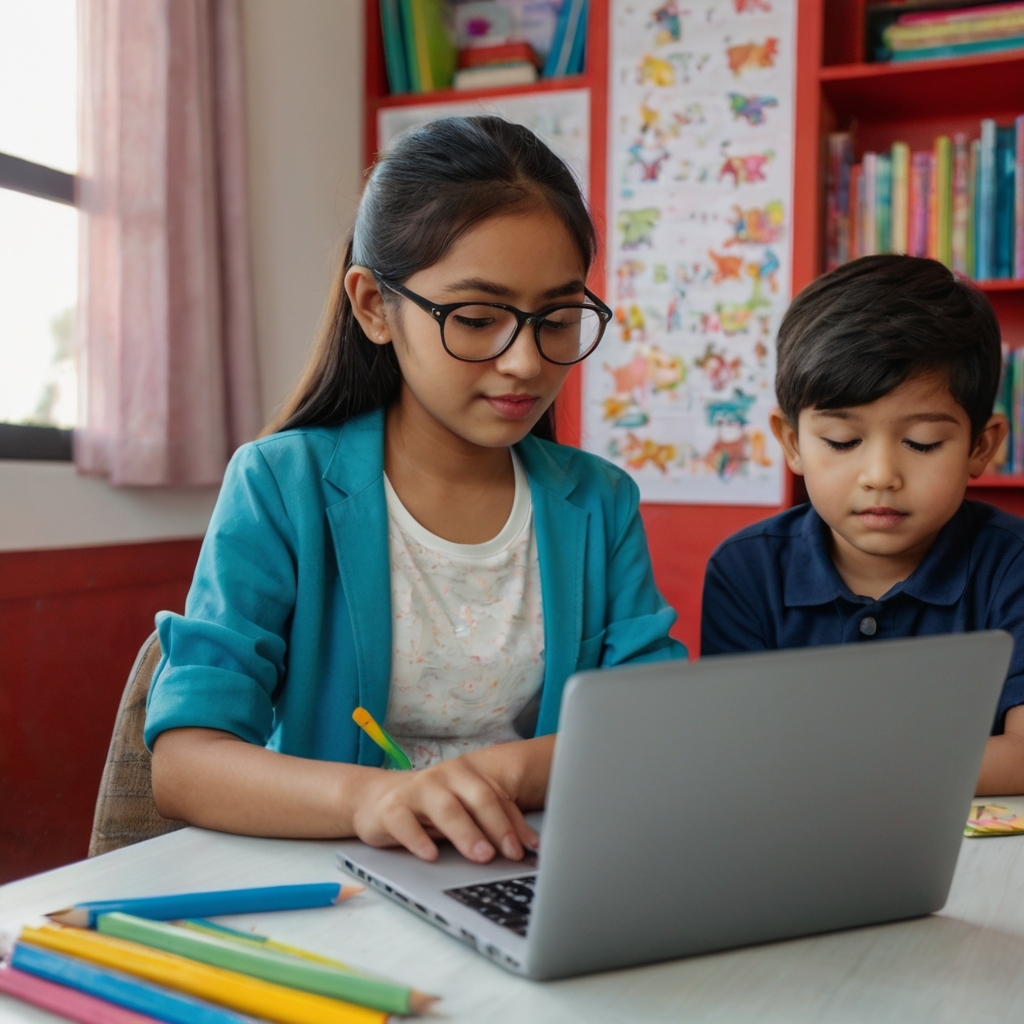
287,626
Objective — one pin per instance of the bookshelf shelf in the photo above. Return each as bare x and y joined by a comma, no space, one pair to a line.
1013,285
998,480
410,99
926,89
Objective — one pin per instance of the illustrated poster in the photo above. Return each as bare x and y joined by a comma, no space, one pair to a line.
700,183
560,117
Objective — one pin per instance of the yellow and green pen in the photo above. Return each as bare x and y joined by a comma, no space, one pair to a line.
365,721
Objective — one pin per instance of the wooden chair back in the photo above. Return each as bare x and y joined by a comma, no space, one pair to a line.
125,810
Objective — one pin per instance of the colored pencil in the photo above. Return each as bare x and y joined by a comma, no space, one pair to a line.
138,997
268,964
255,939
65,1002
214,984
398,756
211,904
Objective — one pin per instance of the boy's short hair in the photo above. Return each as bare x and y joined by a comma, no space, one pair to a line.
859,332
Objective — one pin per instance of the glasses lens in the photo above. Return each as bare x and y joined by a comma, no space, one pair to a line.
570,333
478,331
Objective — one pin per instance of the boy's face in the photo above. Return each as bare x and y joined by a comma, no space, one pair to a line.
887,476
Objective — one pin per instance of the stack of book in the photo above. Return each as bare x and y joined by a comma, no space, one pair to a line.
480,44
962,202
928,35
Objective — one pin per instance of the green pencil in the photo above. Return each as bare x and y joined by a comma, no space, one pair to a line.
384,740
266,964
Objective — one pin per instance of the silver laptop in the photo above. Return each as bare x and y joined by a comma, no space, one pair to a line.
736,800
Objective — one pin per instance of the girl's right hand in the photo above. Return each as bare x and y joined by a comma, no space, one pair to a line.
454,800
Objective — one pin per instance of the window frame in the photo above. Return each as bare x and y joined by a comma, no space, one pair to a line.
29,441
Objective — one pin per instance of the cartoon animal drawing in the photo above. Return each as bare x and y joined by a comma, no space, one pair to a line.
757,225
648,154
752,6
733,410
637,226
667,17
727,267
766,270
750,108
717,368
631,321
674,315
614,406
651,369
630,379
671,70
626,274
725,458
638,453
752,56
745,170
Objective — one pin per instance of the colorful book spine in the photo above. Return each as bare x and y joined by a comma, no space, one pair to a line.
920,185
961,203
883,203
1018,183
900,159
986,201
944,200
971,256
856,207
837,199
1006,153
869,231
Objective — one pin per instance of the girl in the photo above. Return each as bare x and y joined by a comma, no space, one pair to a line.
411,539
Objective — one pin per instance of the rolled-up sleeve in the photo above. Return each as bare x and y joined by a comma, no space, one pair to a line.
224,659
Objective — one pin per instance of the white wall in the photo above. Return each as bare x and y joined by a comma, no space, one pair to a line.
304,82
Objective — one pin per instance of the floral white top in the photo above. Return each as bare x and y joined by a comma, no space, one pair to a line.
467,632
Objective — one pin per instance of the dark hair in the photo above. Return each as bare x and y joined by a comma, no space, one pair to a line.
859,332
430,187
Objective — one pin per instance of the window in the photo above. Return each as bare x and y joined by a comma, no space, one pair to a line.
38,227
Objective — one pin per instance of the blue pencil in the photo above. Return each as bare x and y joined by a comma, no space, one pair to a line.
120,989
211,904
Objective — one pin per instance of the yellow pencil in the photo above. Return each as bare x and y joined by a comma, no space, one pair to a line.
226,988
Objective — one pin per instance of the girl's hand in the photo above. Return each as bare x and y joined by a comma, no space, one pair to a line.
470,800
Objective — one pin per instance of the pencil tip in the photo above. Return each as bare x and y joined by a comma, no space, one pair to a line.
348,891
420,1002
71,916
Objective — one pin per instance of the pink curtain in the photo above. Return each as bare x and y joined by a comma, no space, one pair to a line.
167,356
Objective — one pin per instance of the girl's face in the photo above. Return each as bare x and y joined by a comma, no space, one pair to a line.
526,259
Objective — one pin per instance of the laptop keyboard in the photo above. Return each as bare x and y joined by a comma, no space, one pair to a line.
506,903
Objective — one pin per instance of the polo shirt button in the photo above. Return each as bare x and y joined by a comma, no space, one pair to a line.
868,626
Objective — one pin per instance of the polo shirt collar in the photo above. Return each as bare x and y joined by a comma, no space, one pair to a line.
941,578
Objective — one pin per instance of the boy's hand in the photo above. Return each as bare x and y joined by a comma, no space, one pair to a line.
470,800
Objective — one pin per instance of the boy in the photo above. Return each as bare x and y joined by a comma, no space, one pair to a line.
888,369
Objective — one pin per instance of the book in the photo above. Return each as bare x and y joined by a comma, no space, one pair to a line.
856,207
971,257
497,76
837,201
1006,154
566,53
961,212
920,185
986,209
869,205
960,49
429,43
506,53
883,203
394,46
1018,219
957,13
900,220
943,191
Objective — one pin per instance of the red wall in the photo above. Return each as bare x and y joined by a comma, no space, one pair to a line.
71,623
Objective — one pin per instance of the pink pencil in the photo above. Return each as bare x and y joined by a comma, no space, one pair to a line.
65,1002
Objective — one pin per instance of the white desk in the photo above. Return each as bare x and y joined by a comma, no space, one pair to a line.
965,965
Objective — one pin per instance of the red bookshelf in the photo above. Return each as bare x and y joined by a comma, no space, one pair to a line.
834,88
915,102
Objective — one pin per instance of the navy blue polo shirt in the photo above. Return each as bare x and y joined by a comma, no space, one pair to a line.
773,585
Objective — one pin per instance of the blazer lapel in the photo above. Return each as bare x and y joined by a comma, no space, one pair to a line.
359,526
561,529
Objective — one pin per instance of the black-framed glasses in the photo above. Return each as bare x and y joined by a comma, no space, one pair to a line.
476,332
